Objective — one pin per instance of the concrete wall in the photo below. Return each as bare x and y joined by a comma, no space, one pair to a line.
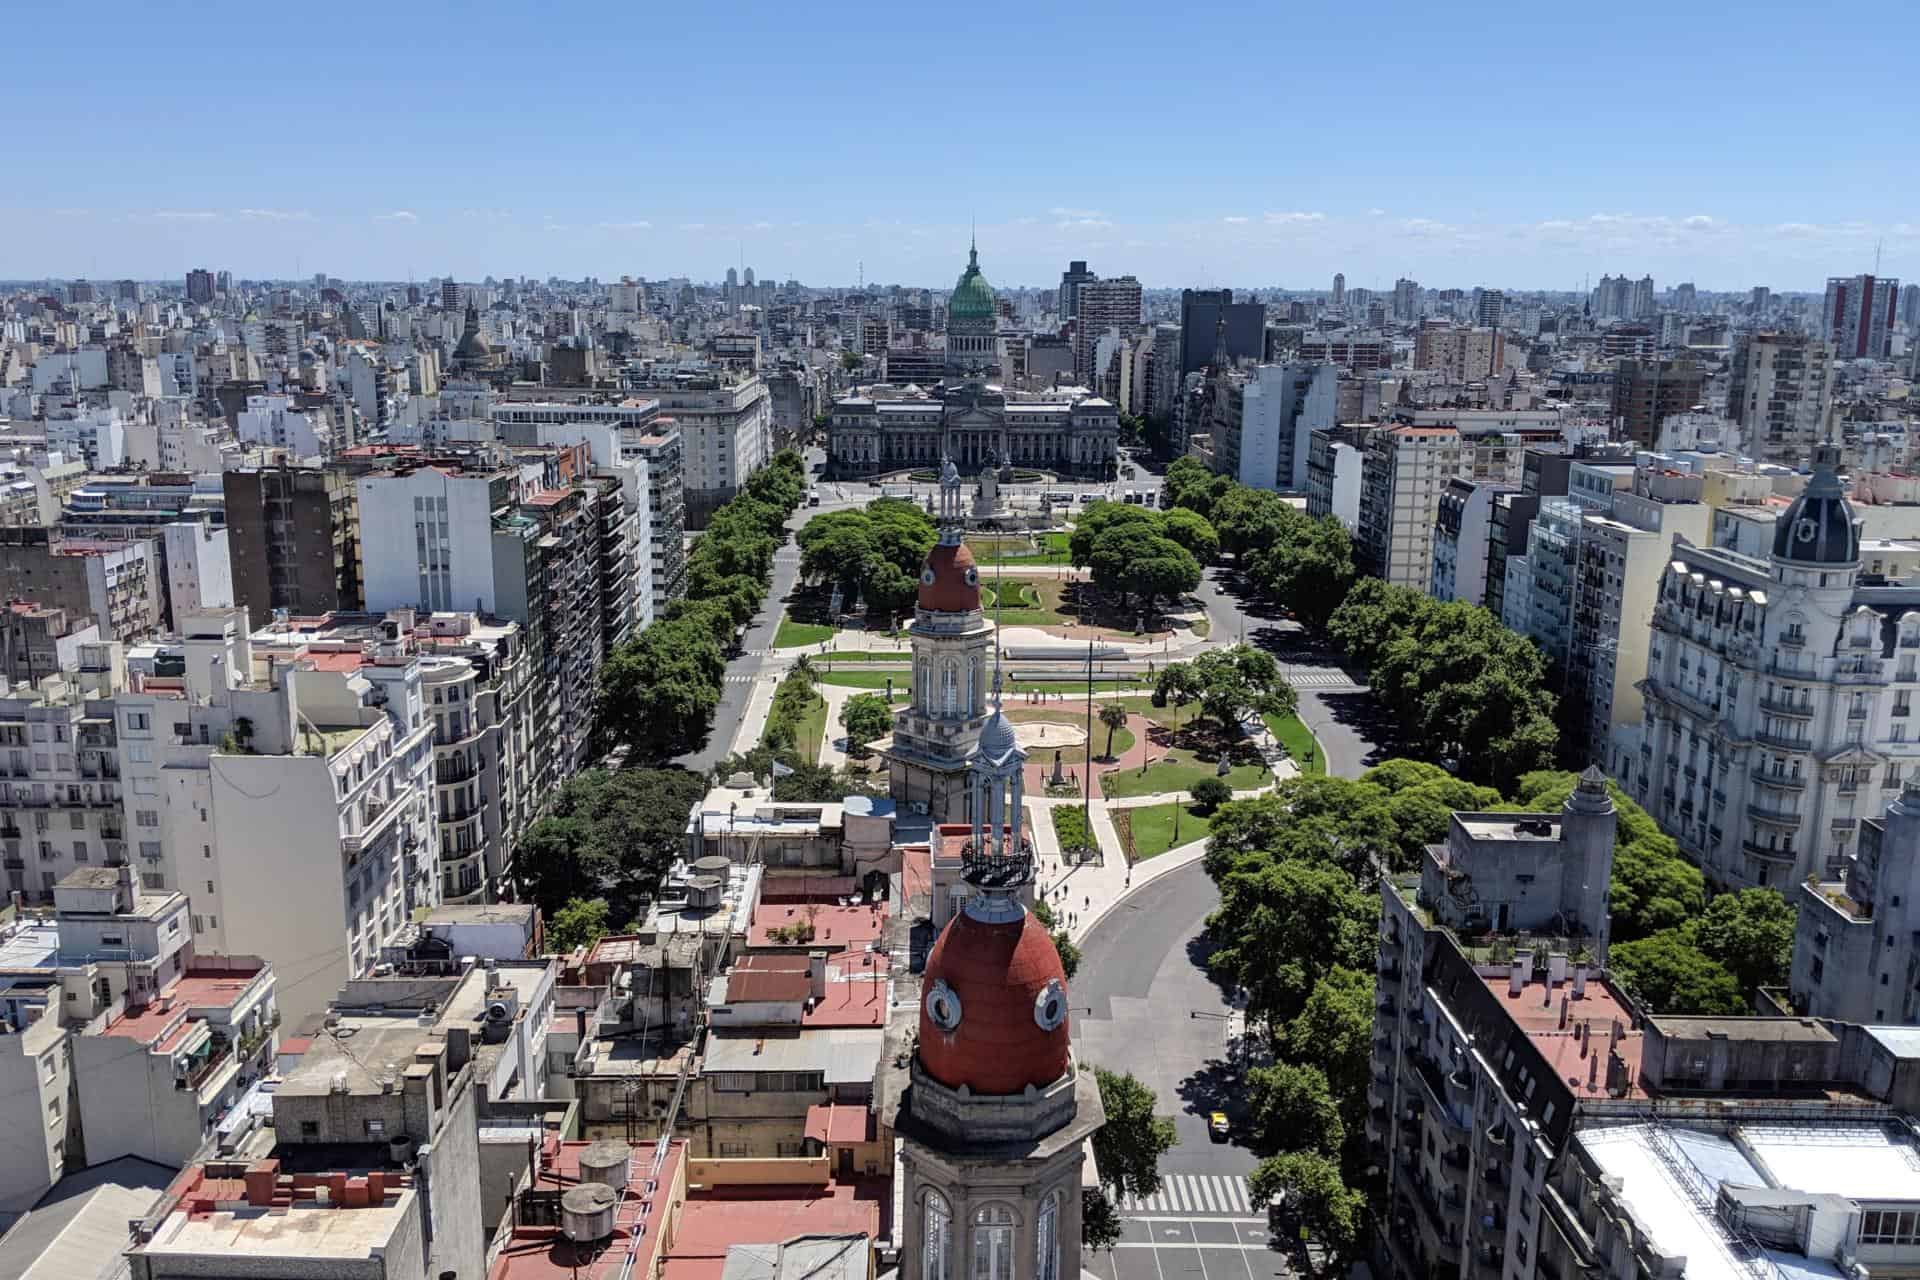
34,1075
387,530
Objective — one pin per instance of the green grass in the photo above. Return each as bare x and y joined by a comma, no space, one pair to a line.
1152,827
1070,828
902,681
793,635
1294,735
838,656
809,731
1012,551
1178,772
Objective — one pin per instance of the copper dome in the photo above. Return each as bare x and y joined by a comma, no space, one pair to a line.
993,1009
949,582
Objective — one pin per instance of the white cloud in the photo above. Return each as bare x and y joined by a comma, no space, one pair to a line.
277,215
1699,222
1078,215
186,215
1797,229
640,224
1234,220
1426,227
1089,223
693,226
1376,213
398,215
1555,224
761,226
1286,219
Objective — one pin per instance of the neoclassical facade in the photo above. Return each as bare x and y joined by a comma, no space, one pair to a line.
968,417
1779,698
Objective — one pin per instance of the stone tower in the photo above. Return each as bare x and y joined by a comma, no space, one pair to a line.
1587,828
995,1116
935,736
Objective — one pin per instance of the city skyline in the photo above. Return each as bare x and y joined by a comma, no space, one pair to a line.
550,159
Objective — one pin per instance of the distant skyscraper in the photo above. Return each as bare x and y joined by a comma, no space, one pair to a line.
733,278
1488,306
1200,312
1858,316
449,294
199,285
1406,300
1071,279
1640,298
1910,306
749,277
1760,301
1104,305
1339,289
1685,299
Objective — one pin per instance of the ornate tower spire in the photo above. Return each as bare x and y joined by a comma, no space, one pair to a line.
953,521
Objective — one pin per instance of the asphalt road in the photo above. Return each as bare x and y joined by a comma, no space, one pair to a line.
756,656
1141,983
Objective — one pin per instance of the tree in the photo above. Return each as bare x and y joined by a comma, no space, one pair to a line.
1423,813
1210,793
1128,1147
581,923
1751,934
1177,684
1099,1220
1283,924
866,717
1294,1110
1667,973
1306,564
607,834
1311,818
658,692
1114,716
1317,1199
1098,518
1235,683
1164,571
1334,1031
1248,519
1186,477
1191,530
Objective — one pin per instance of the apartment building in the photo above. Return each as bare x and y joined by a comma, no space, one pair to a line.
1780,392
294,540
119,1038
1855,947
1778,698
661,450
1463,355
118,584
1105,306
1491,983
1462,534
477,685
1404,470
1333,472
1264,423
1648,392
1354,350
1858,316
1617,557
725,420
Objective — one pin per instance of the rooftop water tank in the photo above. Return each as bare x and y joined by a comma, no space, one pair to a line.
586,1212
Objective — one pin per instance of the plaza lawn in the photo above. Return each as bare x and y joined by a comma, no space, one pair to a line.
1178,770
1152,828
1028,604
1294,735
1013,551
792,635
810,732
1070,827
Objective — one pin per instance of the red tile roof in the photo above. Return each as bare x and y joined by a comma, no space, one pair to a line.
834,928
713,1221
839,1125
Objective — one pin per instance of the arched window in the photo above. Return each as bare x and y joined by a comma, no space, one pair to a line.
950,689
926,689
993,1243
936,1259
1046,1262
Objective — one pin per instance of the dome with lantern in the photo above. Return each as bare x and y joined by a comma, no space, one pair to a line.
993,1013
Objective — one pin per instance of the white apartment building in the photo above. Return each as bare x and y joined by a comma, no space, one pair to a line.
1281,406
725,420
1781,394
97,435
291,801
199,567
1460,530
1779,698
435,525
1404,470
273,422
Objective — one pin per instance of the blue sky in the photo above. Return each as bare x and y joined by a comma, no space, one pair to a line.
1193,143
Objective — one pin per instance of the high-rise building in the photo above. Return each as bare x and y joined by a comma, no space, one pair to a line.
1760,300
199,285
1910,307
1406,300
1640,298
1339,297
1781,393
294,537
1071,279
1404,470
1264,424
1464,355
1858,316
1104,305
1489,305
1647,392
1685,298
1201,311
1858,932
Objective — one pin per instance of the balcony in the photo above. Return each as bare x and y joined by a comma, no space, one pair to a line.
1788,780
1761,812
1781,707
1768,853
1782,741
379,821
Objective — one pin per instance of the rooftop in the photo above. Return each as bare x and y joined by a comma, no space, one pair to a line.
538,1251
717,1219
1573,1034
843,928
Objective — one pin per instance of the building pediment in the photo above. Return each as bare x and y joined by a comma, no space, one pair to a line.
974,419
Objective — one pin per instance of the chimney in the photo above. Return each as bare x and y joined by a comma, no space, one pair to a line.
1613,1035
1593,1071
261,1178
1580,982
1563,1013
376,1186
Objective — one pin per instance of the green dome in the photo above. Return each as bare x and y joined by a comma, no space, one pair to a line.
972,297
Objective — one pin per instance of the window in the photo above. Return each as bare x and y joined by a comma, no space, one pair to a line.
376,1128
309,1128
936,1257
139,753
138,721
146,817
1046,1262
733,1151
993,1243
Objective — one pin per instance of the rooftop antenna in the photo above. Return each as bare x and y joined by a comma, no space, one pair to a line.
1877,246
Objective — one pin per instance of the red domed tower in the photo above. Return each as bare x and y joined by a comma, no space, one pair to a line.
935,736
996,1116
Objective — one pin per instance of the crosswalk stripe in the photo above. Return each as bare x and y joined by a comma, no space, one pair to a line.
1221,1189
1212,1193
1188,1196
1243,1201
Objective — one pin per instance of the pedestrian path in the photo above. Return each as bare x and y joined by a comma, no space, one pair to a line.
1196,1195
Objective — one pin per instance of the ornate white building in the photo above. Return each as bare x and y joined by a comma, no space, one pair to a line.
1779,698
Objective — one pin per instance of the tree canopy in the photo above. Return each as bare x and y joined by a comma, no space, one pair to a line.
608,834
1130,552
873,554
1128,1147
1230,685
867,717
